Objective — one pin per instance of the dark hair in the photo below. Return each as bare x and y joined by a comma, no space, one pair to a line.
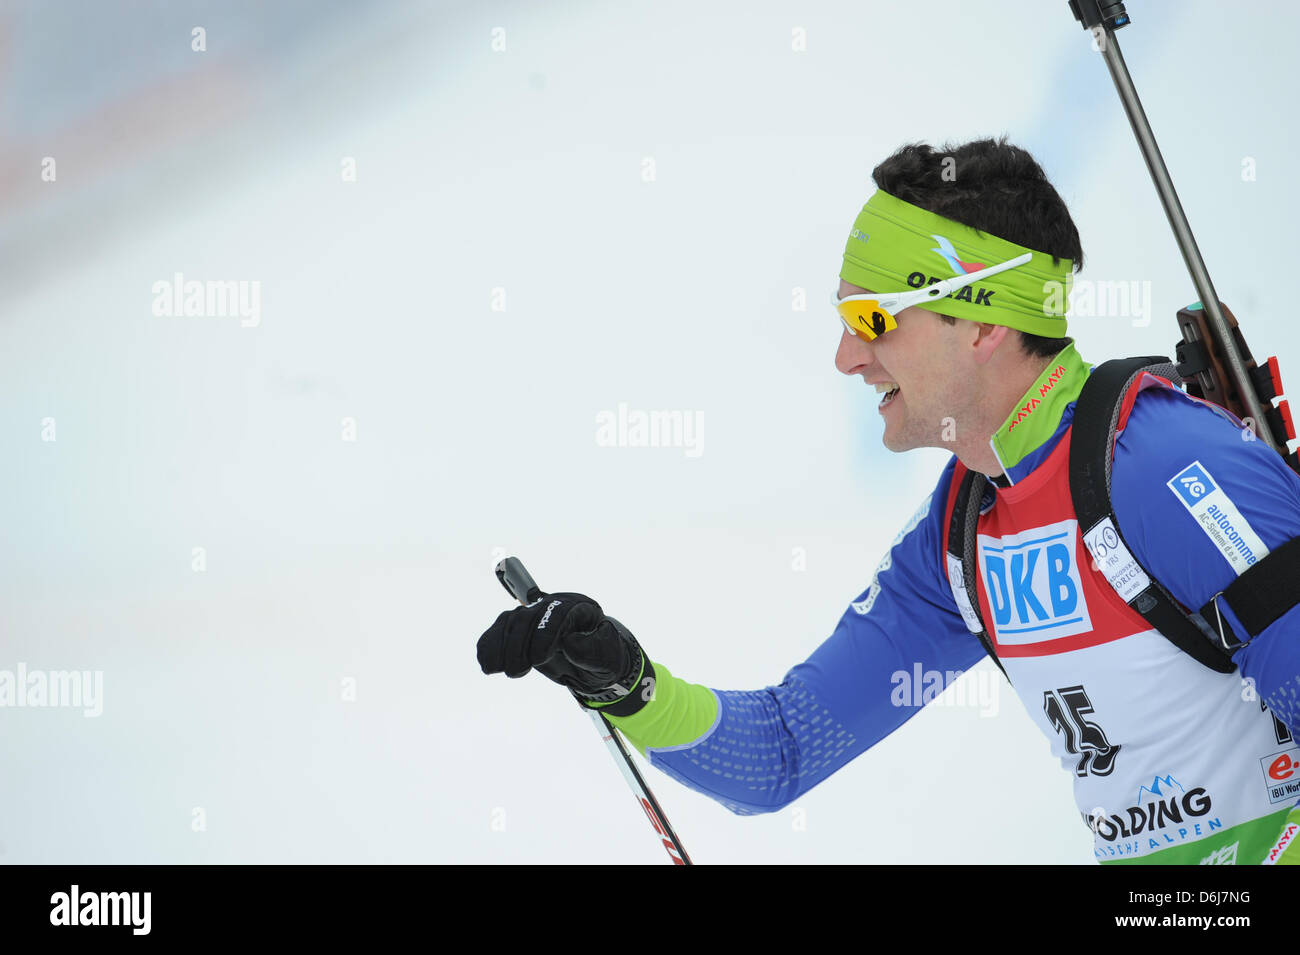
997,188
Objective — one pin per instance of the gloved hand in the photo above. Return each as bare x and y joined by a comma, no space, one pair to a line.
568,639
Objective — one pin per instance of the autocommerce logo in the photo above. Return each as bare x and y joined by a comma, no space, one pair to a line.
1192,483
1218,516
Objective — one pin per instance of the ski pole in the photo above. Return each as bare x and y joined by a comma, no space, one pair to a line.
520,585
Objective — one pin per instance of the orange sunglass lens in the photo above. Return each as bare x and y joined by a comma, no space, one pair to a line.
867,319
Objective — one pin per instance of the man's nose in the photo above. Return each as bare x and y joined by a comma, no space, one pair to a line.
854,353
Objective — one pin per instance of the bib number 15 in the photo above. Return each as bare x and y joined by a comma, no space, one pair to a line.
1068,710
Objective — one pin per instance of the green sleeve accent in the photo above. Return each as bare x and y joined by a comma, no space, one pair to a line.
678,712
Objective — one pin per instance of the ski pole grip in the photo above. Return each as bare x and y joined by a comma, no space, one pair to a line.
517,580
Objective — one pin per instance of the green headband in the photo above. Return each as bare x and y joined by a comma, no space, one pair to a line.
895,245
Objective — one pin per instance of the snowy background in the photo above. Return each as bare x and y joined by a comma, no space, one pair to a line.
502,270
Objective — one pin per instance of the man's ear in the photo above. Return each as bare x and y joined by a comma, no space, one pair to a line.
988,340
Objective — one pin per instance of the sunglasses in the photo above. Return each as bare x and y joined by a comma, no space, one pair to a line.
871,315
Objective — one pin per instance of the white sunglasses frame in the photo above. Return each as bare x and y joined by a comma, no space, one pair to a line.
895,302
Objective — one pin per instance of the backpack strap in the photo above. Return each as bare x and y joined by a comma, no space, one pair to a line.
1264,592
961,556
1092,443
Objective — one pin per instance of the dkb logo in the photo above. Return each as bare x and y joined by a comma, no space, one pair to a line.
1032,583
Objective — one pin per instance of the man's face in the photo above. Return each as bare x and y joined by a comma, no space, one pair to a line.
921,356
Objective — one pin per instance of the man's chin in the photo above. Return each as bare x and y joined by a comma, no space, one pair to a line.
893,443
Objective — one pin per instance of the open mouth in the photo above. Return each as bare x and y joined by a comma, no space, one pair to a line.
890,392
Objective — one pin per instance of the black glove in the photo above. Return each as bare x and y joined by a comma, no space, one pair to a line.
568,639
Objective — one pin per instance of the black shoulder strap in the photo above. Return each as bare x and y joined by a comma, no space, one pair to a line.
1265,591
962,550
1092,442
